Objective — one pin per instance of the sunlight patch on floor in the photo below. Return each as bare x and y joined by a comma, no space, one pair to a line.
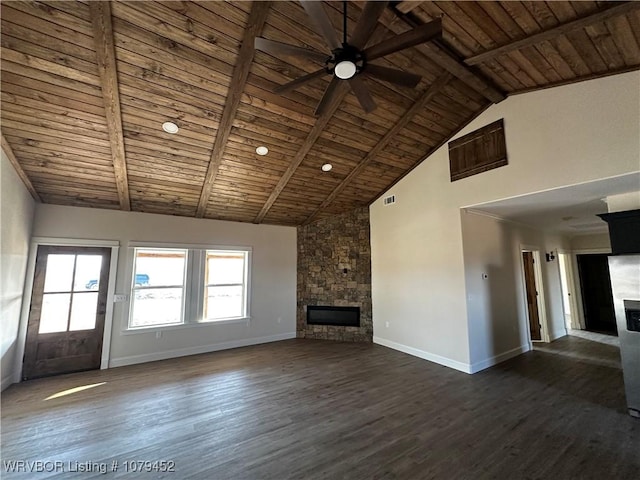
596,337
73,390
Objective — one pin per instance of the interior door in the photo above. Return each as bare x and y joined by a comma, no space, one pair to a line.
68,305
597,298
532,295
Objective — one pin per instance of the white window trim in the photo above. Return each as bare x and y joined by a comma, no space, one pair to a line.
245,284
193,298
183,326
185,288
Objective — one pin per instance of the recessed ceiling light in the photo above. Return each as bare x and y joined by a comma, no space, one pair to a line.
170,127
326,167
262,150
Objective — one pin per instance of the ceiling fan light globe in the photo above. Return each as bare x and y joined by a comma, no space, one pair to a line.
345,69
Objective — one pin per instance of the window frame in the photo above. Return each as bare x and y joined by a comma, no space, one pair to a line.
133,289
193,288
245,285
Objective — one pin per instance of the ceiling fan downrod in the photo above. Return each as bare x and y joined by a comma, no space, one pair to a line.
344,23
346,61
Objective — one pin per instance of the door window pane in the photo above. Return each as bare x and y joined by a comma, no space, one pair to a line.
59,273
87,272
84,311
55,311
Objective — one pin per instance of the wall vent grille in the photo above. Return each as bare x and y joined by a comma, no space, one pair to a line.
390,200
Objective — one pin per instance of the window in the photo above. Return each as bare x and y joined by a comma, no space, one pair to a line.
179,286
158,287
225,284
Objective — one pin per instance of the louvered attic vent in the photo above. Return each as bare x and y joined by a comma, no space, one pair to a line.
391,199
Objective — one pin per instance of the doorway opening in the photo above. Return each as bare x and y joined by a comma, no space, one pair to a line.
597,297
66,319
534,297
571,316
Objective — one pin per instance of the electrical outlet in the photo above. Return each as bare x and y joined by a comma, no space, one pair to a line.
159,334
120,298
386,324
279,319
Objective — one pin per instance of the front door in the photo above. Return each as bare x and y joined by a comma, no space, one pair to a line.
532,295
68,305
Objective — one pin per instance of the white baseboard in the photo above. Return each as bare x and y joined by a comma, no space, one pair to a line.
6,381
447,362
490,362
182,352
432,357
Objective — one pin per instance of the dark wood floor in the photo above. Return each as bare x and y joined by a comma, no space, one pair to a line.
319,409
595,352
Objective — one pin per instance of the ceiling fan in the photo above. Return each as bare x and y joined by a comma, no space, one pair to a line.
350,60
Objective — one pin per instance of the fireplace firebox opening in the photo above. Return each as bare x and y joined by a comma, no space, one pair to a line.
336,316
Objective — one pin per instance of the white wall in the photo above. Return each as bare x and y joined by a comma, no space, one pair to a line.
496,304
16,218
273,282
596,241
624,201
555,137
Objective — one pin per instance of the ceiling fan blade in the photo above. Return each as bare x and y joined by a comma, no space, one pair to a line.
292,85
392,75
324,27
277,48
418,35
362,94
327,97
367,23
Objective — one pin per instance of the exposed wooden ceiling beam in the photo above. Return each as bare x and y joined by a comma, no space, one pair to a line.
441,55
314,134
417,106
257,18
106,58
23,176
408,5
582,78
554,32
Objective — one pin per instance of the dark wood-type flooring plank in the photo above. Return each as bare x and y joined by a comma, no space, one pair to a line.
321,409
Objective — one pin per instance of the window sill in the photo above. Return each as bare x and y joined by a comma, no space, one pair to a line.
163,328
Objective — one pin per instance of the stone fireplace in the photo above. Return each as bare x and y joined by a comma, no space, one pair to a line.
334,278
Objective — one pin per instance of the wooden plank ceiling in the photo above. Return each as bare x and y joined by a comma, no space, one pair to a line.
86,87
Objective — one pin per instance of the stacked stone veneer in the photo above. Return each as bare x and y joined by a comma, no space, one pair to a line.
325,249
